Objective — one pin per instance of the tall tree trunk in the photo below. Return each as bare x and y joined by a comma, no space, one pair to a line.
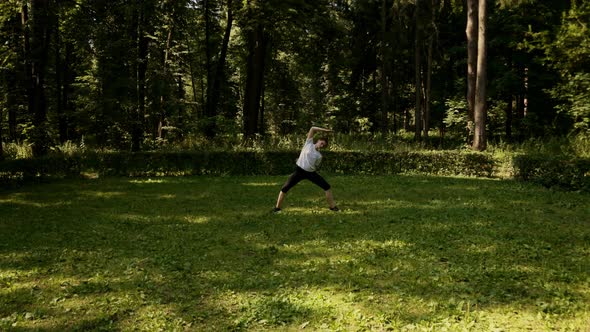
162,110
13,78
427,89
1,141
37,63
472,32
213,95
480,139
508,124
418,69
192,73
69,78
384,69
60,77
209,112
142,43
254,79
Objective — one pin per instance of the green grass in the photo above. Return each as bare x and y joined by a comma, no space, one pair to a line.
204,253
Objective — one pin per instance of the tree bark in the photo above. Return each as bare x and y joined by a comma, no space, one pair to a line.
508,124
209,112
480,139
142,44
384,69
418,73
427,89
60,77
162,115
1,144
254,79
213,95
472,35
37,63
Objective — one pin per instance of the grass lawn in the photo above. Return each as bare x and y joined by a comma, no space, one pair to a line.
205,253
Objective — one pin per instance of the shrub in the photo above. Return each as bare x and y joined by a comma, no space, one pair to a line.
243,163
554,171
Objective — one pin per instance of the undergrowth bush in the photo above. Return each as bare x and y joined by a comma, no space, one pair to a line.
243,163
554,171
555,162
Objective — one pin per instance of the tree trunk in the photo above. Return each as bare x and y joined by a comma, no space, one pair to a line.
508,124
68,78
480,139
427,89
60,75
384,70
162,112
213,95
418,69
192,73
254,79
37,63
209,112
142,43
472,34
1,145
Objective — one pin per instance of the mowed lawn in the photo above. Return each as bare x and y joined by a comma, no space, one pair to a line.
205,254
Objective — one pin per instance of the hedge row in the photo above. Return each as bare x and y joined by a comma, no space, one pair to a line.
550,171
243,163
554,171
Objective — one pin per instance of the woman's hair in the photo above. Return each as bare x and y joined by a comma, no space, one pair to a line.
325,139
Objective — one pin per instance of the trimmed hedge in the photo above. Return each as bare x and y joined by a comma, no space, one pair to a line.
549,171
429,162
554,171
243,163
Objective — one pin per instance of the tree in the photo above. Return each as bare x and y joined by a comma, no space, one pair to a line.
480,111
569,54
472,44
214,88
256,41
36,50
418,68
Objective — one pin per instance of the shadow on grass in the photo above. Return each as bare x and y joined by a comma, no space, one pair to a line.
206,253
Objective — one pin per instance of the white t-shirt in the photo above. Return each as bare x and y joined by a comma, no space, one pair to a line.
309,158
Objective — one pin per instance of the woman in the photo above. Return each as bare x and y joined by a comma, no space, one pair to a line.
307,164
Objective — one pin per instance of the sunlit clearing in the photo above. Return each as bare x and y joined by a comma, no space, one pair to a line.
33,204
259,184
196,219
102,194
310,211
142,181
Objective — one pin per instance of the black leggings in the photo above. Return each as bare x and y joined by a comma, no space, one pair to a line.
301,174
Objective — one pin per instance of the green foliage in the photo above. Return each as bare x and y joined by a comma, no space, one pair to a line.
243,163
406,253
569,53
554,171
456,115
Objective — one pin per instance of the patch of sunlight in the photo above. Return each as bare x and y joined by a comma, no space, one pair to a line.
196,219
17,201
70,309
167,196
482,249
156,317
531,318
102,194
132,217
259,184
386,203
143,181
311,211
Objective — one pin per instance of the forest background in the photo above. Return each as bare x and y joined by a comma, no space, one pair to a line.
148,75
